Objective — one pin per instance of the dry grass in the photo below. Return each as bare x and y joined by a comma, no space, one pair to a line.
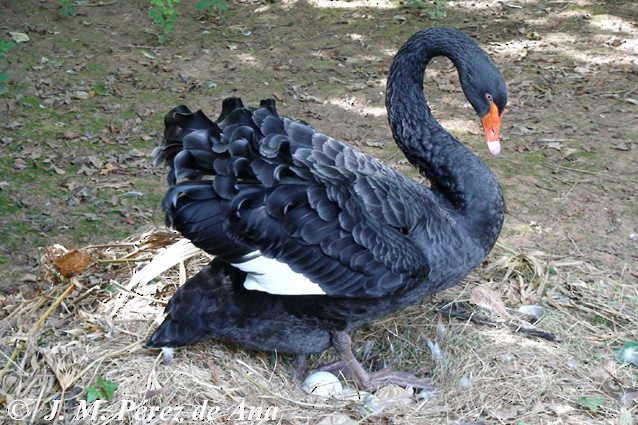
57,343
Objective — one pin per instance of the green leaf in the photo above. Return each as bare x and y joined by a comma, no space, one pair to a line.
108,387
592,403
5,46
93,394
209,5
103,389
156,16
68,8
100,89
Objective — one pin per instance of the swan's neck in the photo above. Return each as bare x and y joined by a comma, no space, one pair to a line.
458,177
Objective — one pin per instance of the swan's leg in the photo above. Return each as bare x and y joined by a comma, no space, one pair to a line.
371,381
337,368
300,365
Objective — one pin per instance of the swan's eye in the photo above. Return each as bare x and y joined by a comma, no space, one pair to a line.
489,97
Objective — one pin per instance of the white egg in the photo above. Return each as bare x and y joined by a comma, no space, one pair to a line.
323,384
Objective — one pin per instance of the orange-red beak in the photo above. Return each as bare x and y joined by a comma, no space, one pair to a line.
492,127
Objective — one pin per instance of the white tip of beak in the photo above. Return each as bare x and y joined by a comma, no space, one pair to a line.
494,147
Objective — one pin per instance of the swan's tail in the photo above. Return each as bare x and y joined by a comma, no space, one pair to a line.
217,168
242,145
180,122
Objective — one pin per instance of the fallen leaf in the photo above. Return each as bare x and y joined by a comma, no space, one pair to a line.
622,147
506,413
338,419
133,194
87,171
71,134
33,153
72,263
591,403
107,169
19,164
91,217
95,161
519,130
356,86
391,394
13,125
29,278
555,145
19,37
488,299
570,154
550,140
81,94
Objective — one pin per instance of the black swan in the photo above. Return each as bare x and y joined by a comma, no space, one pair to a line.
312,238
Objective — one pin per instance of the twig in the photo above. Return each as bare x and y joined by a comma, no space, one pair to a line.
593,173
578,251
111,245
625,124
123,260
100,4
37,403
53,306
135,294
451,310
37,305
12,361
102,358
41,320
631,91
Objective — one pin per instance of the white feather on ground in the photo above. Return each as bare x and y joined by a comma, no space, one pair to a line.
180,251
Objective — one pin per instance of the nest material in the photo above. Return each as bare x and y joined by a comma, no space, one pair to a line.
86,323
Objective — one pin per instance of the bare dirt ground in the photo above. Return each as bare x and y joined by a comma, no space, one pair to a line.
84,108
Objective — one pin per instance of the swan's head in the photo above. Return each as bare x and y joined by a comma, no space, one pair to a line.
485,89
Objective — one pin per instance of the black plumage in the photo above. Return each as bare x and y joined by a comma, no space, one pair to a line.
254,185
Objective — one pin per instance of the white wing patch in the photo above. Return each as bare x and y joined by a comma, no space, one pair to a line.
275,277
